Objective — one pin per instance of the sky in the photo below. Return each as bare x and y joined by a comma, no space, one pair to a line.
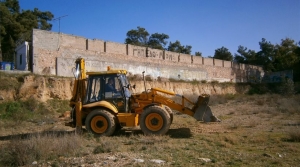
206,25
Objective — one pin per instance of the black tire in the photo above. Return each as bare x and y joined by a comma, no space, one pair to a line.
170,113
73,116
155,120
100,122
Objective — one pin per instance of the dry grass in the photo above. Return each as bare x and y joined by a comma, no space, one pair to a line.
294,134
257,130
23,150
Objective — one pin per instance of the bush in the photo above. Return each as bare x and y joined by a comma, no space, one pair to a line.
258,88
284,88
14,111
287,87
20,111
194,82
58,105
214,82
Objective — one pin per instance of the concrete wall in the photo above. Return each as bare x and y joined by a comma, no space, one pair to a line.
65,65
235,65
155,53
218,63
55,54
71,41
45,40
208,61
117,48
185,58
137,51
196,60
227,64
171,56
95,45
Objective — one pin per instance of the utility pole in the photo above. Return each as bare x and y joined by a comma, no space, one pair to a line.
59,21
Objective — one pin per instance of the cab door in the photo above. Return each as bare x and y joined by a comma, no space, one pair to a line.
115,96
94,85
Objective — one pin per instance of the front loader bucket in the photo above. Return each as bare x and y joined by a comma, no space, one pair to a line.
203,111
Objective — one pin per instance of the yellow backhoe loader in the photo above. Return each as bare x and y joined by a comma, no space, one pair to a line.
103,103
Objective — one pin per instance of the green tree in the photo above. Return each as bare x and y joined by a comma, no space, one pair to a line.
266,55
296,67
9,27
245,56
140,37
223,54
198,54
158,41
17,26
137,37
285,56
279,57
177,47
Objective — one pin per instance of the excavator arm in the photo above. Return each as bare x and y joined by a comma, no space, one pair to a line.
78,94
79,89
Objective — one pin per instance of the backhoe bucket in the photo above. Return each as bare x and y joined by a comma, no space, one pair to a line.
203,111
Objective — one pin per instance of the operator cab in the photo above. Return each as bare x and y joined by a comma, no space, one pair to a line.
110,87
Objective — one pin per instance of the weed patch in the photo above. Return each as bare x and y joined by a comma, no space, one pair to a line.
58,105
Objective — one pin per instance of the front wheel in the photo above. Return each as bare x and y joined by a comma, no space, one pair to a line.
101,122
170,113
155,120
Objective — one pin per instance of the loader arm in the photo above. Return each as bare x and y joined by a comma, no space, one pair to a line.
157,98
198,110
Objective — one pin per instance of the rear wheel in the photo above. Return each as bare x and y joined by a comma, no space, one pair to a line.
101,122
155,120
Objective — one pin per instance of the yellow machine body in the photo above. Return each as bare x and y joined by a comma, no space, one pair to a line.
103,112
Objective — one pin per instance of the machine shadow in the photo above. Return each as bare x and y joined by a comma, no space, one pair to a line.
173,133
180,133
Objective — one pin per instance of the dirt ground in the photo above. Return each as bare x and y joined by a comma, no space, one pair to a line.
259,130
256,130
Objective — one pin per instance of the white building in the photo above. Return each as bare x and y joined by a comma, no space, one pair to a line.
23,57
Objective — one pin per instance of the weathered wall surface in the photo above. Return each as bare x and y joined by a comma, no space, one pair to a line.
185,58
95,45
171,56
218,63
113,47
43,88
197,60
208,61
55,54
137,51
